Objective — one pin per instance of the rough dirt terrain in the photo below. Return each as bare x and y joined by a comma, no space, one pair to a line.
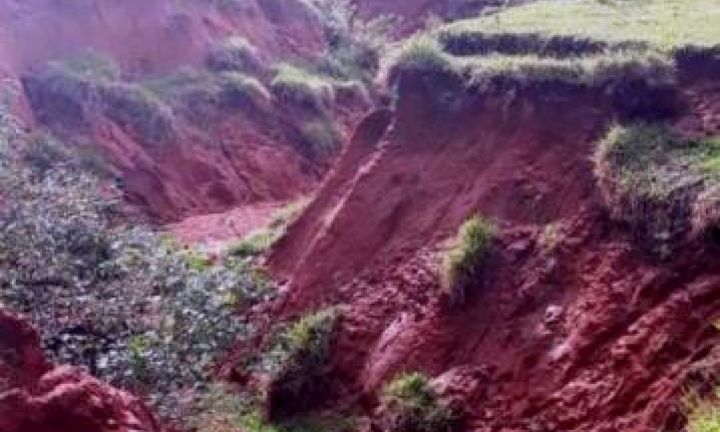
575,326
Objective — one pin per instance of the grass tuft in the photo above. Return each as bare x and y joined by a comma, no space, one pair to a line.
464,262
299,86
409,404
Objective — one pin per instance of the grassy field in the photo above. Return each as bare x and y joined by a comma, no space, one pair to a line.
663,23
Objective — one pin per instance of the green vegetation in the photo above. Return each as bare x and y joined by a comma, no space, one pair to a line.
296,85
320,136
134,107
464,262
702,413
239,90
409,404
424,54
91,66
663,23
234,54
150,316
663,185
225,410
297,364
258,242
608,46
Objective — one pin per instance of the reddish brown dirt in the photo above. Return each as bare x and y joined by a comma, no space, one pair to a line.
37,397
573,326
215,231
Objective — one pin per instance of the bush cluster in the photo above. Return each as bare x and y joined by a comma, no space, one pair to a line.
409,404
145,314
298,364
299,86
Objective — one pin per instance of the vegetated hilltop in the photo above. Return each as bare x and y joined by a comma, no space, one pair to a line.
195,107
577,146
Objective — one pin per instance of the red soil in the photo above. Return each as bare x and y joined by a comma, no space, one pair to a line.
235,159
214,231
37,397
573,327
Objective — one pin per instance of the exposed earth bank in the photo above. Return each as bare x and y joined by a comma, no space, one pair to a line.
574,323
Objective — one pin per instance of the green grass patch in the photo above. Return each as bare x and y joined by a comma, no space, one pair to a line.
297,85
464,262
298,364
260,241
702,413
663,23
409,404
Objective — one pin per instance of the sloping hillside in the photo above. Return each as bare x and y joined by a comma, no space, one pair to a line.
195,107
593,308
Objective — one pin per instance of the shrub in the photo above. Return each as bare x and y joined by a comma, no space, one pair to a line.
240,90
295,85
464,262
298,364
136,108
423,55
409,404
320,137
234,54
702,412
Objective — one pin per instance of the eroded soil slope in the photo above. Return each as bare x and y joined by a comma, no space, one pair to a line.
574,324
185,128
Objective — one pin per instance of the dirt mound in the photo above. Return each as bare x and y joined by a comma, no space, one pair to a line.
37,397
574,326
